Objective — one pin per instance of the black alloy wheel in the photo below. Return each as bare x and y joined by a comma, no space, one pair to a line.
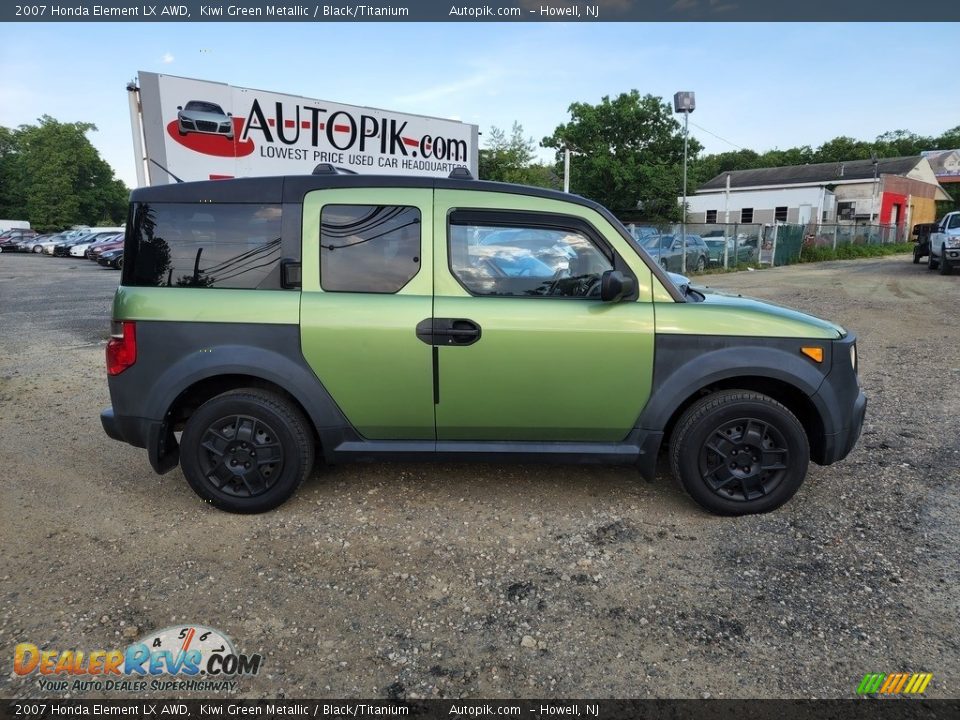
738,452
246,451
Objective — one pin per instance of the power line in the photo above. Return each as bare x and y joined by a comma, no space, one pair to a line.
716,136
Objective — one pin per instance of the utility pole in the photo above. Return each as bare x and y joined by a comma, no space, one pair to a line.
684,102
568,150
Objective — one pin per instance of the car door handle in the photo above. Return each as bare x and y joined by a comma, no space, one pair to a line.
448,331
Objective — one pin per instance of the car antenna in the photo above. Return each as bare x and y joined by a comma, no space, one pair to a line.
165,170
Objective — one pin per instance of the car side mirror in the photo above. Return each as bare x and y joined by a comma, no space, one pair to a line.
179,107
615,286
229,114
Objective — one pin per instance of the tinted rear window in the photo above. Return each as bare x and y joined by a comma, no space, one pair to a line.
204,245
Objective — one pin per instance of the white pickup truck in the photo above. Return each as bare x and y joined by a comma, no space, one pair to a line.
945,244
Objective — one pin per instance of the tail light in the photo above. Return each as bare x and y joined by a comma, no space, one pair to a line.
121,347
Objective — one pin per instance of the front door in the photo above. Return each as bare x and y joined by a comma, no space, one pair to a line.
367,283
525,348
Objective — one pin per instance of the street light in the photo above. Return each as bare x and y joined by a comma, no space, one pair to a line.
684,102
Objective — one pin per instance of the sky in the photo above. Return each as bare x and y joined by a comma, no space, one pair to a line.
758,86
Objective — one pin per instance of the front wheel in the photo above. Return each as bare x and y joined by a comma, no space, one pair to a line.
246,451
701,264
738,452
916,256
944,265
932,264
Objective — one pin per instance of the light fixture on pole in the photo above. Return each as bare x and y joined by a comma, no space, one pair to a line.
684,102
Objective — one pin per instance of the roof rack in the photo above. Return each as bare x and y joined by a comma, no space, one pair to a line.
460,173
330,169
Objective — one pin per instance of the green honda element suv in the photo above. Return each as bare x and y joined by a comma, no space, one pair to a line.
263,324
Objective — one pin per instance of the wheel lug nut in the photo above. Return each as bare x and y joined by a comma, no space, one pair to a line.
246,464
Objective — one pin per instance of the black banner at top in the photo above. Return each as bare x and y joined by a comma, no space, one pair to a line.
932,11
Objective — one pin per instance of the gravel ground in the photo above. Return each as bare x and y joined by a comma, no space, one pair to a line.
407,580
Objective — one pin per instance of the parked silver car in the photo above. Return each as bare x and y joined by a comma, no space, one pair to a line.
667,250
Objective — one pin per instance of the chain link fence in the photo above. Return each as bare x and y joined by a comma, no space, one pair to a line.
733,245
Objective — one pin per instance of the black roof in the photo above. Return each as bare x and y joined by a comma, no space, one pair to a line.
818,173
292,188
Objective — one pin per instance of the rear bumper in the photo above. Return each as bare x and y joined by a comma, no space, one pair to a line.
163,450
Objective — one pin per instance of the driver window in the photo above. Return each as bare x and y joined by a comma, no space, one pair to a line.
526,261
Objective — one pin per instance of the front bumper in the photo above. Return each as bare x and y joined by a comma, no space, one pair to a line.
841,404
838,445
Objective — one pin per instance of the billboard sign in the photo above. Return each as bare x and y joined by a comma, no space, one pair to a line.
202,130
945,164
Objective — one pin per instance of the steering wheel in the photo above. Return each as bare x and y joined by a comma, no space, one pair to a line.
592,287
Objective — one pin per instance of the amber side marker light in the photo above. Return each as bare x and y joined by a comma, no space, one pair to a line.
814,353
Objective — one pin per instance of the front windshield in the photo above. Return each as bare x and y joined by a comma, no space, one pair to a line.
201,106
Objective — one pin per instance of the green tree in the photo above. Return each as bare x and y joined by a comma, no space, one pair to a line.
11,199
630,154
512,160
62,179
949,140
843,148
900,143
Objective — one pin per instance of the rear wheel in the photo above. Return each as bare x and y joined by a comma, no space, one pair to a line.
916,255
246,451
738,452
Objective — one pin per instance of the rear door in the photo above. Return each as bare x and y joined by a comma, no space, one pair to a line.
526,350
367,283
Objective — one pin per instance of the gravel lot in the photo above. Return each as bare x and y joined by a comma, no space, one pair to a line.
403,580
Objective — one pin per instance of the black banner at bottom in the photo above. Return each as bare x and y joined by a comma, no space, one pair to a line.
866,708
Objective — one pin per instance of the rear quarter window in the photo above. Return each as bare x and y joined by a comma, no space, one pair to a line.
212,245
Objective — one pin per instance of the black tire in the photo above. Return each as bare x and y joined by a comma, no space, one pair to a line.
916,256
222,438
739,426
945,267
701,264
37,249
931,263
